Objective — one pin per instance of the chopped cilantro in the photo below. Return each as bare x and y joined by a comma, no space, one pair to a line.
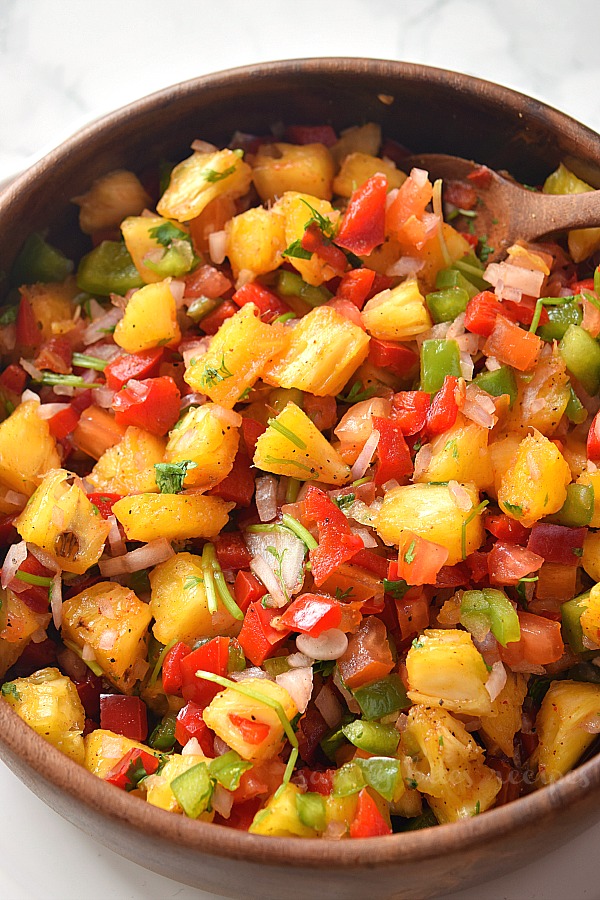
10,690
409,556
343,595
212,376
167,233
170,476
296,251
485,251
357,393
417,644
287,433
344,501
514,508
192,581
323,223
9,315
135,773
213,176
395,589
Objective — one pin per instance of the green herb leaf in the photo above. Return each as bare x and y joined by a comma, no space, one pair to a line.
397,589
357,393
211,376
213,176
167,233
287,433
296,251
344,501
192,581
409,556
228,769
9,689
9,315
170,476
323,223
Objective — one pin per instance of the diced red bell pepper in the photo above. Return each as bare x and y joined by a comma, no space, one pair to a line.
480,176
506,529
171,668
321,782
211,323
269,305
63,422
152,404
126,773
104,502
371,561
557,543
459,193
363,224
593,439
251,431
124,715
314,241
524,311
252,731
238,485
443,411
337,544
311,134
410,408
312,614
206,281
133,365
368,821
190,724
393,455
213,656
586,284
258,638
247,589
55,355
481,313
89,691
398,358
35,657
232,551
28,329
13,378
355,286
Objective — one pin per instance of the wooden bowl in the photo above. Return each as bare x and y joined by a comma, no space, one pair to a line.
427,110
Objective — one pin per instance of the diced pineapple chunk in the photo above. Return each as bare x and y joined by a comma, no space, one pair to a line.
430,511
357,139
111,620
567,707
139,241
359,167
590,617
593,479
280,816
128,467
150,319
110,198
175,517
434,259
461,454
535,485
61,520
341,811
444,762
505,718
27,449
231,714
201,178
292,445
542,397
307,168
582,241
446,669
297,210
19,621
179,603
503,453
255,241
52,305
324,350
238,353
206,438
158,787
397,314
49,703
591,555
104,749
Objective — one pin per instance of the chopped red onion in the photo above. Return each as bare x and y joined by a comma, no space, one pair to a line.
97,329
479,407
106,608
177,289
457,328
39,635
298,660
285,566
365,456
103,397
591,725
16,555
13,498
217,246
422,460
194,350
221,800
265,497
526,281
192,748
496,680
144,557
299,684
88,654
265,573
460,496
203,147
29,395
250,674
419,176
47,410
330,644
44,558
351,703
329,706
492,364
406,265
32,370
192,399
219,745
56,600
72,665
226,416
108,639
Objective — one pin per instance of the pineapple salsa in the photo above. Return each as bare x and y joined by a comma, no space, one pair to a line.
299,491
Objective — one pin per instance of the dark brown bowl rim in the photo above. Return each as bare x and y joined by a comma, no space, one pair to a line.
53,766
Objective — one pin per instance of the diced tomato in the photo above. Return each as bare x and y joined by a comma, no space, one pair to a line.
13,378
172,677
133,365
124,715
454,576
251,431
320,410
28,328
398,358
55,355
317,781
412,613
252,731
507,563
368,655
478,565
104,502
213,656
410,409
35,657
232,551
363,224
269,305
152,404
311,134
190,724
355,286
443,411
506,529
480,176
557,543
247,589
593,439
368,821
419,560
459,193
211,323
404,216
371,561
258,638
380,283
89,691
586,284
312,614
524,311
314,241
393,455
8,532
337,544
481,313
126,773
206,281
238,485
513,346
63,422
242,814
540,644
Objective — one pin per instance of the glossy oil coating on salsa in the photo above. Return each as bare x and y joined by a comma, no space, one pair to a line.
299,493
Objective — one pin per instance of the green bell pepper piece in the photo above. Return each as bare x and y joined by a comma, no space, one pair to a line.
348,780
177,260
39,261
332,741
383,774
438,359
311,810
491,608
575,411
571,612
163,736
108,269
275,666
578,508
202,306
500,381
451,277
382,697
381,740
447,304
581,353
193,790
290,284
560,319
472,268
228,769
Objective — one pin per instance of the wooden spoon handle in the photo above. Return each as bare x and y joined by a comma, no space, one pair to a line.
545,213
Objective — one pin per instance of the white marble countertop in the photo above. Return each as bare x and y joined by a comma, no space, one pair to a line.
65,62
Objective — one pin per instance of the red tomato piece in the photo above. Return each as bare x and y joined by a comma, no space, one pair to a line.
368,821
320,410
413,614
213,656
232,551
540,644
190,724
410,409
8,532
13,378
171,668
419,560
311,134
398,358
251,431
104,502
363,224
206,281
481,313
481,176
27,327
443,411
557,543
258,638
368,655
63,422
512,345
586,284
126,773
312,614
89,691
55,355
355,286
211,323
253,732
133,365
238,485
372,562
337,544
459,193
269,305
124,715
393,455
34,596
320,782
507,563
506,529
314,241
152,404
247,589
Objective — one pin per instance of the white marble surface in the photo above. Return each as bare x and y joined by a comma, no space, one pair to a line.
64,62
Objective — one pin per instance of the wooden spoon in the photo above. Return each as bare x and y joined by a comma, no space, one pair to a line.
507,211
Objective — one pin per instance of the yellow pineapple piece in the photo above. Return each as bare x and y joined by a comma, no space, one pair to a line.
591,555
542,397
27,449
357,139
104,749
503,453
200,178
359,167
297,210
19,622
137,234
593,479
280,817
128,467
238,354
158,787
307,168
207,439
505,719
150,319
52,305
255,241
535,485
582,241
292,445
461,454
566,708
323,352
110,198
111,620
433,256
175,517
397,314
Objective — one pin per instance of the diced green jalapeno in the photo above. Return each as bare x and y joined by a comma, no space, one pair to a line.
276,665
108,269
290,284
39,261
382,697
193,790
581,354
493,609
348,780
575,410
177,260
383,774
311,810
451,277
560,319
447,304
228,769
331,743
438,359
578,508
202,306
500,381
381,740
571,625
163,736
